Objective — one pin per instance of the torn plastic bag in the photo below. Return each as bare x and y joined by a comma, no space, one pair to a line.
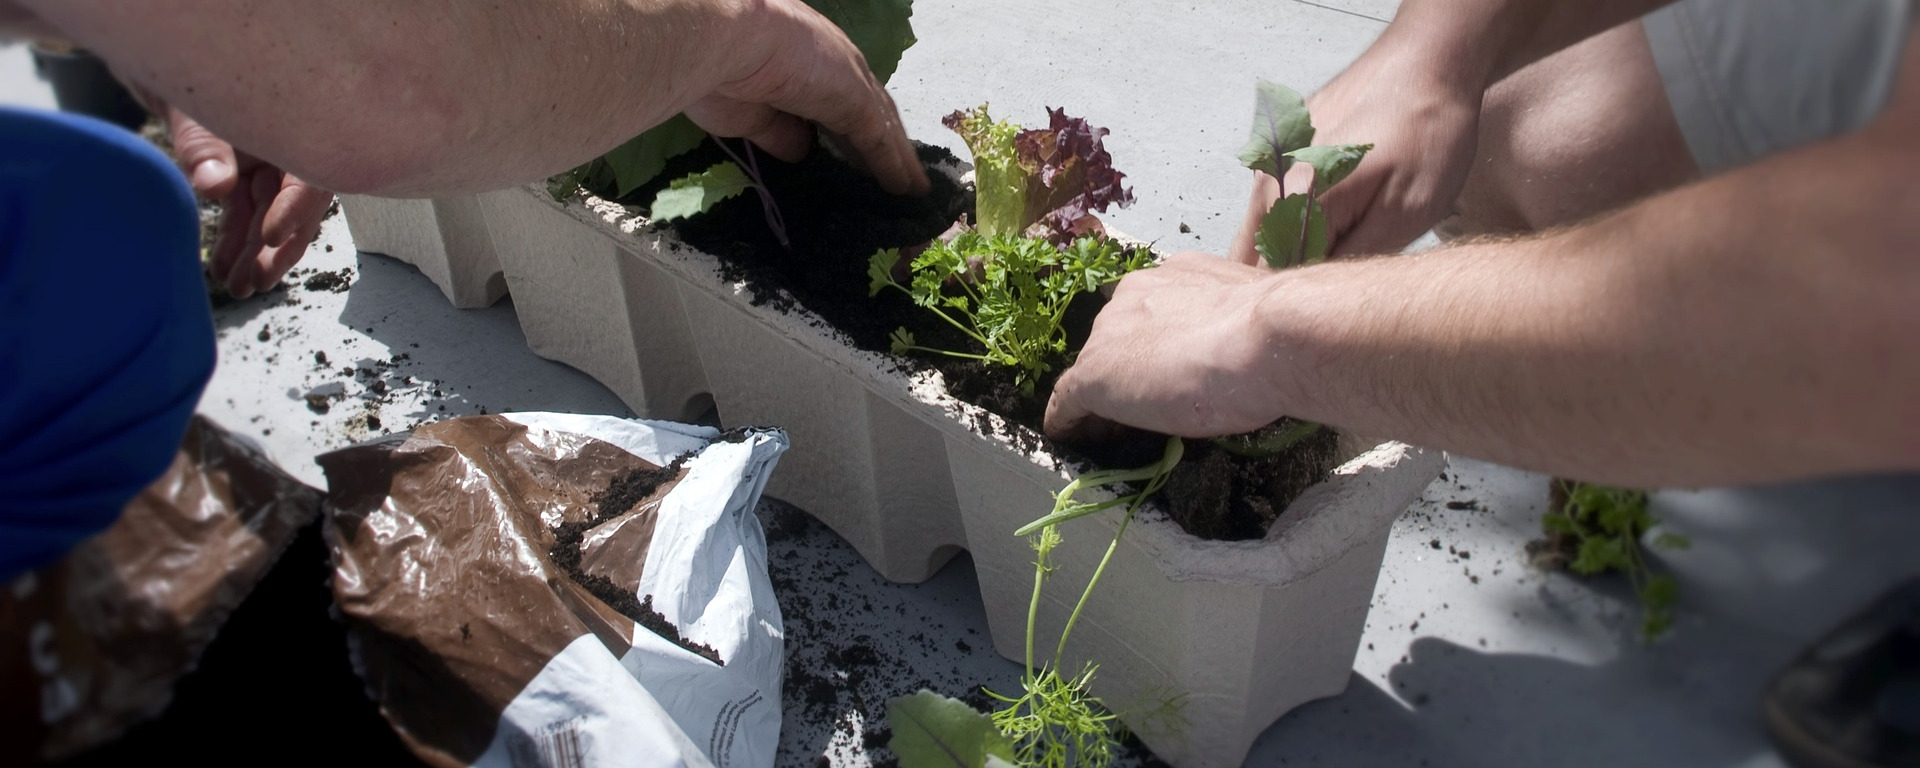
556,590
94,644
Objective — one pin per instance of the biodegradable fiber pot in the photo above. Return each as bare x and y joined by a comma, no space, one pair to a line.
1201,644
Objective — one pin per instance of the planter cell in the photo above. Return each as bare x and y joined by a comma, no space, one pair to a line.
446,239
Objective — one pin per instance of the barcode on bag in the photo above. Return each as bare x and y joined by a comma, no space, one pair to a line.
554,745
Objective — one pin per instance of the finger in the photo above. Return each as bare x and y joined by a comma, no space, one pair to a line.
297,208
207,159
275,261
780,134
817,74
262,186
236,216
1265,191
1065,411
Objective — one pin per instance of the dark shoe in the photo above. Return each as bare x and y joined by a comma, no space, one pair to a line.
1853,699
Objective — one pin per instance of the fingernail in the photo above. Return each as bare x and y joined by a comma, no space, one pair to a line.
210,172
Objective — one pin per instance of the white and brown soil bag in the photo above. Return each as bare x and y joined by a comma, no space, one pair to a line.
93,644
557,590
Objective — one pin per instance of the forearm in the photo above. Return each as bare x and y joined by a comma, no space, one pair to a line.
17,23
1476,43
1757,326
419,98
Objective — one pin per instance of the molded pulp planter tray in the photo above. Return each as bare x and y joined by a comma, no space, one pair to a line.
1201,644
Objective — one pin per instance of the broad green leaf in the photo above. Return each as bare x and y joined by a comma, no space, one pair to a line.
934,731
1279,238
643,157
1331,162
1556,522
881,29
1280,125
699,192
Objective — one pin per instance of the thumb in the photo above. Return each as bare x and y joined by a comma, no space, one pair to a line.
207,159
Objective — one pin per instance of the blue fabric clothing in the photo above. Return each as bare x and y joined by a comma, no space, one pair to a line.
106,338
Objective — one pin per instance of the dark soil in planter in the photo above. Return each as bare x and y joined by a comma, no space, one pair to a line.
837,217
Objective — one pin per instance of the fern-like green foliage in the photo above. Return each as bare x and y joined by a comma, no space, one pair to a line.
1057,721
1009,294
1606,526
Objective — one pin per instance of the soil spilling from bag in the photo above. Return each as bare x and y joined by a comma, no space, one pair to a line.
619,498
836,218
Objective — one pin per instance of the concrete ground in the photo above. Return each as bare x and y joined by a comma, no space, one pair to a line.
1470,658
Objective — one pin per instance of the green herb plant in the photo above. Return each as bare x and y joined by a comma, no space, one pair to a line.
1603,527
1055,721
1008,293
1293,232
1006,283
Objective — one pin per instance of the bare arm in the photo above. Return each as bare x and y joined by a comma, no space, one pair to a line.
1416,95
1760,325
18,23
443,96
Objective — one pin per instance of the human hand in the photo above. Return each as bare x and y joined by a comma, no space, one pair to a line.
809,71
1423,122
1176,351
267,217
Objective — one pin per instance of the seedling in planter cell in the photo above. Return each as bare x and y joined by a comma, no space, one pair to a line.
881,29
1294,230
1007,283
697,193
1597,529
1008,293
1056,721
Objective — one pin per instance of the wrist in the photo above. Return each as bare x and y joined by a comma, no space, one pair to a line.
1457,51
1285,351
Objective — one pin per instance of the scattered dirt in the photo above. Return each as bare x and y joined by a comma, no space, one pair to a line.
332,282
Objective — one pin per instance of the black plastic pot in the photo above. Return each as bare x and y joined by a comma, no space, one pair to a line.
83,85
